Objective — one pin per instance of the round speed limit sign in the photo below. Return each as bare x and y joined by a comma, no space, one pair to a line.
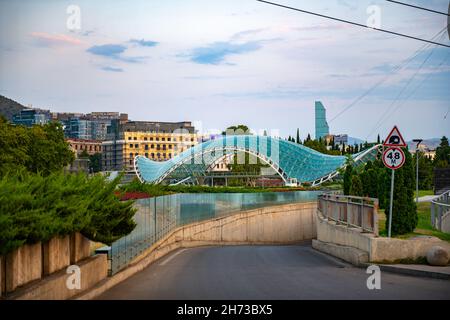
394,158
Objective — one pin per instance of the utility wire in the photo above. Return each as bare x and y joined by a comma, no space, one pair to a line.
417,7
394,70
354,23
388,114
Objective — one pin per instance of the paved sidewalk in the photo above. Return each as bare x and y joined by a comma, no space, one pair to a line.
427,198
418,270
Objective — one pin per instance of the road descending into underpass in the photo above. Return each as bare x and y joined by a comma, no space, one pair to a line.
267,273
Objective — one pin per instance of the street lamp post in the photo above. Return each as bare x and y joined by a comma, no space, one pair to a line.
418,141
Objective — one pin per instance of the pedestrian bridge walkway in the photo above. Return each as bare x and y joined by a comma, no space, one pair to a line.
294,163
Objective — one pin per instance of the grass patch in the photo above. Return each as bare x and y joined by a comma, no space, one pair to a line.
424,227
424,193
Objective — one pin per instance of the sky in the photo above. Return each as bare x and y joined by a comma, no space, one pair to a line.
225,62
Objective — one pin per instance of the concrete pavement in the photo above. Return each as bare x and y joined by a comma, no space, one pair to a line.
266,273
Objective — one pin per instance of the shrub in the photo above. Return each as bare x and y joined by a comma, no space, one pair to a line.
36,208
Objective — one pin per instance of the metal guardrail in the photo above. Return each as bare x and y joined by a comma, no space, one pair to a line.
440,206
354,212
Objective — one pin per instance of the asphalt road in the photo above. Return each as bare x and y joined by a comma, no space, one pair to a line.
266,273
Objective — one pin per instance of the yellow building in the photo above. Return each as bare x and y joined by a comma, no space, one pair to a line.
155,146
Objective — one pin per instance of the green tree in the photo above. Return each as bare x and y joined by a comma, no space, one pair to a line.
356,188
95,162
425,171
442,159
348,174
38,149
404,218
298,141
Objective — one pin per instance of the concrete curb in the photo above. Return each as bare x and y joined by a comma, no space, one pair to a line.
410,272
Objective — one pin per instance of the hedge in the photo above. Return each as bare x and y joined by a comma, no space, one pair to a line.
37,208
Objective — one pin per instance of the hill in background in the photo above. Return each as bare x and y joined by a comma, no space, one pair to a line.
8,107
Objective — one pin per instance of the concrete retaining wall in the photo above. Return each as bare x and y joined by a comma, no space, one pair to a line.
378,249
445,225
2,276
56,254
39,271
23,266
272,225
80,247
92,271
390,250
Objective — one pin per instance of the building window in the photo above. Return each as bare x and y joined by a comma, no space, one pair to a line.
153,155
153,146
157,139
151,139
169,139
164,147
136,146
145,139
131,155
146,155
135,138
163,139
129,138
170,155
146,147
131,146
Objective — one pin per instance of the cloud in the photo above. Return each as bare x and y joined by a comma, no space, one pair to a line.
112,69
113,51
144,43
108,50
50,40
217,52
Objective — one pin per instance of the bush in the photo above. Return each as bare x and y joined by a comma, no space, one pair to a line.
35,208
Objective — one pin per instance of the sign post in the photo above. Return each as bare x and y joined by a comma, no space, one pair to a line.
393,158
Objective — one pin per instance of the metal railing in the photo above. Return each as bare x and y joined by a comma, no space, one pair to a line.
354,212
440,207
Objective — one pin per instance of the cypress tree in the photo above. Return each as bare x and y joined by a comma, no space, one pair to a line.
348,178
404,218
356,188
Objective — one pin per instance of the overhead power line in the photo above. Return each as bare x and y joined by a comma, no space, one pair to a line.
392,71
417,7
354,23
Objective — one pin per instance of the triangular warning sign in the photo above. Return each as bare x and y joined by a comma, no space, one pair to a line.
395,139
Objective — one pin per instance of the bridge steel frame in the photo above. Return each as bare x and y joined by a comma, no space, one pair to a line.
294,163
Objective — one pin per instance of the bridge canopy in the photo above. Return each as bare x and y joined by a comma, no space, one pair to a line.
294,163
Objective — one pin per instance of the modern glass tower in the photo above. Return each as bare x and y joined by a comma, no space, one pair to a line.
322,128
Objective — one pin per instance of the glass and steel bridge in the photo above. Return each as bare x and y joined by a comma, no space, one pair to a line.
294,163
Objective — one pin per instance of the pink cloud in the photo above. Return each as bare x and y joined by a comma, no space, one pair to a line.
47,39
